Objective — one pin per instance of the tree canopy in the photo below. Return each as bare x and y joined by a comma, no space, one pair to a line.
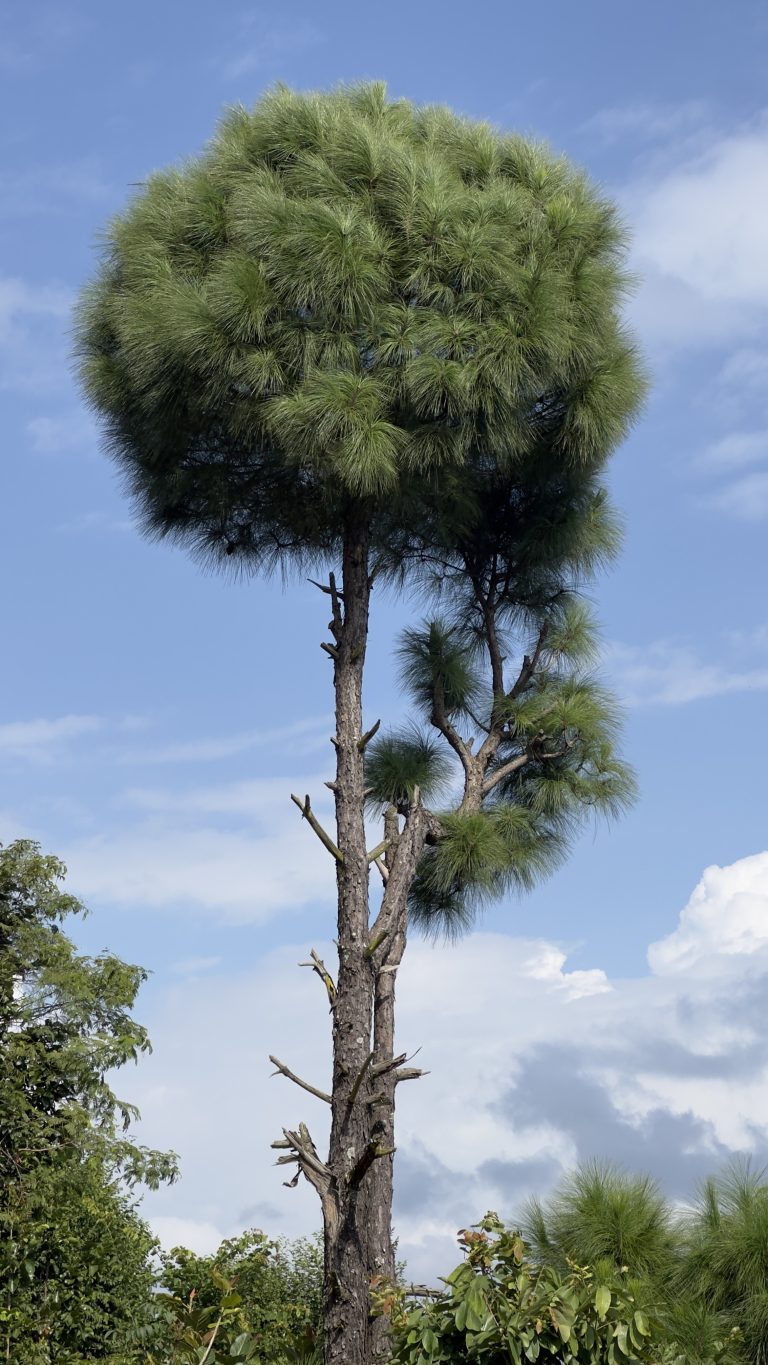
346,298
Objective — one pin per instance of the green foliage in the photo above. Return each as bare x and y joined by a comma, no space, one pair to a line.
266,1297
725,1262
76,1267
399,764
439,665
74,1272
600,1215
346,298
499,1307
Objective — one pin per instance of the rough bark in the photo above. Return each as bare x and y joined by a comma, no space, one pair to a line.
353,1140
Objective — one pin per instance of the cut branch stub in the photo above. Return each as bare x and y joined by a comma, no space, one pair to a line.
309,815
365,739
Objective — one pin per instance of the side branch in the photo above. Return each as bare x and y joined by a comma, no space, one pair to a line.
312,820
283,1070
505,770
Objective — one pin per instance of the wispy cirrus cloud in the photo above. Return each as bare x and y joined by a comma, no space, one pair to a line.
265,46
672,673
42,740
303,736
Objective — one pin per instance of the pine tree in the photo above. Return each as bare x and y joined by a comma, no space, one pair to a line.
355,332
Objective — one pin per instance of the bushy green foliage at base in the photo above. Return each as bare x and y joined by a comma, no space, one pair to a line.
501,1308
264,1295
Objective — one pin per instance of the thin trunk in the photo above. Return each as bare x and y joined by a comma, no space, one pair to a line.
346,1288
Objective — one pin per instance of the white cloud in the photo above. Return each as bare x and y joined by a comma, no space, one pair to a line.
302,736
647,121
41,739
700,244
32,345
264,46
532,1066
19,299
193,966
667,673
57,435
195,1235
746,498
726,915
263,861
736,450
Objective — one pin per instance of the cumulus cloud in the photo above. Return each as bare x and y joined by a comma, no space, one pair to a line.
533,1066
727,915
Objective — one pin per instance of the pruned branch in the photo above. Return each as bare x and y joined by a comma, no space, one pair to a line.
378,850
377,941
409,1073
383,869
309,815
365,739
372,1152
381,1068
320,968
283,1070
329,649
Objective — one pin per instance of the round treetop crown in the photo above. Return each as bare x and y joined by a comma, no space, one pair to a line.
345,300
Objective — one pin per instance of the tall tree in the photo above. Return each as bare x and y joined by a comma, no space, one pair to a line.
74,1256
362,334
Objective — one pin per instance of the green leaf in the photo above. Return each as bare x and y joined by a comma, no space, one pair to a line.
602,1300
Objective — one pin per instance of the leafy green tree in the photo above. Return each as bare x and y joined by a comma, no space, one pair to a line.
501,1308
358,333
278,1285
74,1270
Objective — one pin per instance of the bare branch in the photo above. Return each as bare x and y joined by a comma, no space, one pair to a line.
283,1070
383,869
439,719
365,739
378,850
312,820
505,770
381,1068
329,649
319,966
409,1073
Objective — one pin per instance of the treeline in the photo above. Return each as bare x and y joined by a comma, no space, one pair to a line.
604,1270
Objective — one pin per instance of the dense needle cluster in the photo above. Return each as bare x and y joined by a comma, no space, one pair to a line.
344,297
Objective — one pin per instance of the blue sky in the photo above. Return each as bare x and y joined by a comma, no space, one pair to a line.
153,721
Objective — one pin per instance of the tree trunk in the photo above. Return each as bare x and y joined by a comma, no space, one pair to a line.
353,1140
